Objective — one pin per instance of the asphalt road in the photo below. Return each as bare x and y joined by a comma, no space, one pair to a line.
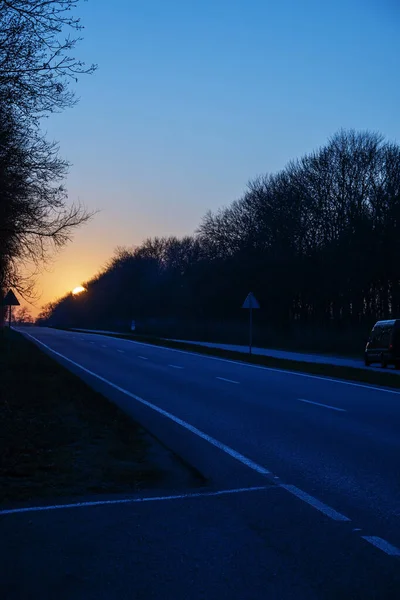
325,453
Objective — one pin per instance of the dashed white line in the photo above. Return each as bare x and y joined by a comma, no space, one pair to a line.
271,369
324,405
134,500
378,542
91,342
122,351
324,508
382,545
228,380
176,367
103,346
143,357
240,363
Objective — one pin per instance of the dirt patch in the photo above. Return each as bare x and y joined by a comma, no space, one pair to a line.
58,437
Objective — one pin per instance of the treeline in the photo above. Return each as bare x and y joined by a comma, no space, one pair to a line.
36,68
318,244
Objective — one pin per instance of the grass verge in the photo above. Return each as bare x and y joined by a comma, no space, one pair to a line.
367,376
61,438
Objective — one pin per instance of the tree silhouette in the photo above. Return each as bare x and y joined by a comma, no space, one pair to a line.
36,68
318,244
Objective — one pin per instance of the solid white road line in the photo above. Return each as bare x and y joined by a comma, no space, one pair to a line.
273,370
382,545
134,500
228,380
378,542
230,451
324,405
143,357
314,502
324,508
176,367
250,366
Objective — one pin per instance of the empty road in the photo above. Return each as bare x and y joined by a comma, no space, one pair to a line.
323,454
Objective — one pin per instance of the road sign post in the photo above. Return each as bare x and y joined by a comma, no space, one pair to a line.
251,303
10,300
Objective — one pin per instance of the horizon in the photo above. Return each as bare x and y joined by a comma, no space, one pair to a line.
194,102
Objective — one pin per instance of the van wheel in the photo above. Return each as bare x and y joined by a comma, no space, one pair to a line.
383,362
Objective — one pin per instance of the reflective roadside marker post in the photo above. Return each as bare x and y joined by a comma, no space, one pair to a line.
10,300
250,303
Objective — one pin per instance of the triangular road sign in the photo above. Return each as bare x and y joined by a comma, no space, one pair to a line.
10,299
251,301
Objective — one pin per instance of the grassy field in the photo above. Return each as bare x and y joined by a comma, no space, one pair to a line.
60,438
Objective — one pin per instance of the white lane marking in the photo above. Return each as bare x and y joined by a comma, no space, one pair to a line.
273,370
228,380
227,449
324,508
134,500
324,405
91,342
123,351
382,545
143,357
103,346
314,502
176,367
250,366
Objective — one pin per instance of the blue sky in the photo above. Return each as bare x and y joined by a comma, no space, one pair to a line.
194,98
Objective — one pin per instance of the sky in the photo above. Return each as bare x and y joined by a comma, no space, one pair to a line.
193,98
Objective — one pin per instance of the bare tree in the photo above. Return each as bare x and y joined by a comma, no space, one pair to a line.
22,316
35,218
318,243
36,68
36,54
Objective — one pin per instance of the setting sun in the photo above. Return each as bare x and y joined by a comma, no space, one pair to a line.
78,290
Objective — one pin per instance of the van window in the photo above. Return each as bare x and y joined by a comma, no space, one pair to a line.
386,335
375,337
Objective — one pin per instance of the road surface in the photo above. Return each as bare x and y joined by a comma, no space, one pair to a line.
312,465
